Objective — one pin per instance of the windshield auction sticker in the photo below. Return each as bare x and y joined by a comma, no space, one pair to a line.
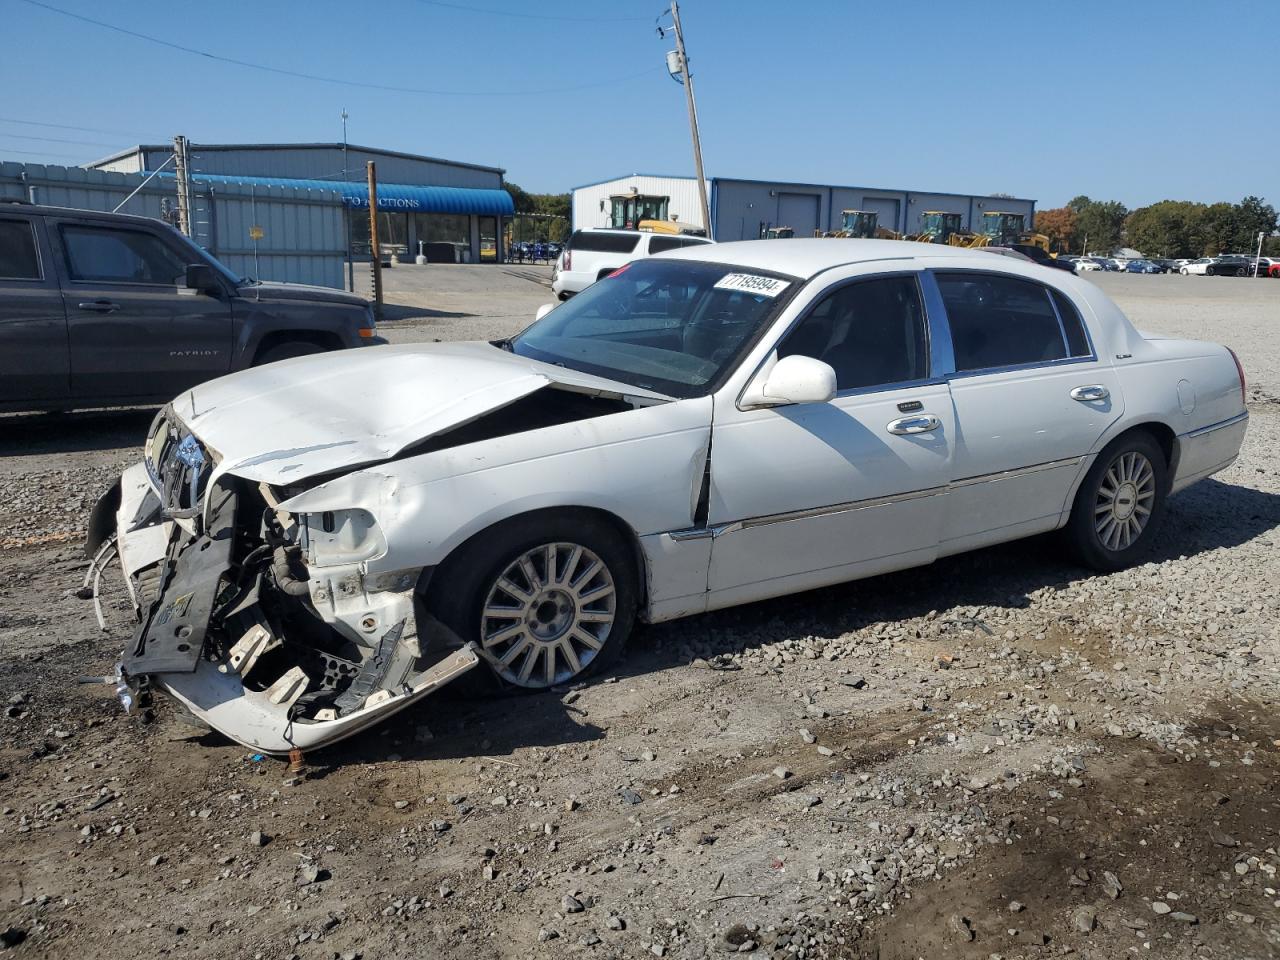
751,283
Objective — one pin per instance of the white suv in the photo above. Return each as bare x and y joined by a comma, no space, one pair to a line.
592,254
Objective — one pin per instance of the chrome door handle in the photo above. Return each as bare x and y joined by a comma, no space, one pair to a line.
1094,391
908,425
99,306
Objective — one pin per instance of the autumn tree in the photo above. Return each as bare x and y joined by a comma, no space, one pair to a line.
1059,225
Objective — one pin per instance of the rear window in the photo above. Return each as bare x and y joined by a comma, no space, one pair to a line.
604,242
18,260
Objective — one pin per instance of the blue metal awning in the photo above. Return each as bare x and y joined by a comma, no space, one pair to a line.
403,197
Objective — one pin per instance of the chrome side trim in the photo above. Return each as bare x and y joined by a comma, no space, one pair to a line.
848,507
1222,425
1019,472
719,530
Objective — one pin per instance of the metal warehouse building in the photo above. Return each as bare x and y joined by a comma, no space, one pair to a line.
743,209
455,209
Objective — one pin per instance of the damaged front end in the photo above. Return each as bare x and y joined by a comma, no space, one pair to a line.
261,623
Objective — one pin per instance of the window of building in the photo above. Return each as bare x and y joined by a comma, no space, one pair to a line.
999,321
109,255
871,332
18,259
443,228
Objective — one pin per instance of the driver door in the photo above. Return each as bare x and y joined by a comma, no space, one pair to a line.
812,494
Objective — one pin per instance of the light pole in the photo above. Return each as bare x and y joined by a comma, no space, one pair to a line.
1257,260
679,70
346,225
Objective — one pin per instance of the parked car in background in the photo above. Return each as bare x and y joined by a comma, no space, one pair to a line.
1087,264
1230,266
1166,265
1196,268
1260,266
105,309
1142,266
1274,269
1038,255
715,426
592,254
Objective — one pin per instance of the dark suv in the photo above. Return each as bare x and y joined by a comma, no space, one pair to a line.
102,309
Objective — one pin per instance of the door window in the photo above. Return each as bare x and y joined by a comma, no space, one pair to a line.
107,255
999,321
872,333
18,259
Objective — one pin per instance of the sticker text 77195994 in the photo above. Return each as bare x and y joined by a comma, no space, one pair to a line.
752,283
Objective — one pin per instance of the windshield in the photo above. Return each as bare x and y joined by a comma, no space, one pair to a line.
672,326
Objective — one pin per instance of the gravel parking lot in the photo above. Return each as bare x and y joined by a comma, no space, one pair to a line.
997,756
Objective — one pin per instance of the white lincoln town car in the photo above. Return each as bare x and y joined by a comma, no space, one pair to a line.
315,544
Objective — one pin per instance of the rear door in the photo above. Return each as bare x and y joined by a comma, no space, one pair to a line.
135,330
1032,397
34,363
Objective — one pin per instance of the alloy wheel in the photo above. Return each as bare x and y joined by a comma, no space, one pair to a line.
548,614
1126,496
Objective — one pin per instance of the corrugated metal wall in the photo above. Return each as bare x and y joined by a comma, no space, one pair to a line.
740,207
683,191
324,162
302,238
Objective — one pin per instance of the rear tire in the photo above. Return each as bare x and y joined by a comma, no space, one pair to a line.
1240,271
1120,503
564,588
287,351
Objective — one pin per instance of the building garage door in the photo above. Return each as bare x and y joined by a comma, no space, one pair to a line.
799,211
886,209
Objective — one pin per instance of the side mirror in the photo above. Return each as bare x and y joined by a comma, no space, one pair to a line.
543,311
797,379
202,278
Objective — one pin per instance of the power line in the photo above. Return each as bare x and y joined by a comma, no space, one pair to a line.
87,143
43,153
532,16
69,126
335,80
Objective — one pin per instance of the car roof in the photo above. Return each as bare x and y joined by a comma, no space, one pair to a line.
806,257
21,206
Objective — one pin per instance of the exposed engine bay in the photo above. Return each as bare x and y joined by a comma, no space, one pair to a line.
265,624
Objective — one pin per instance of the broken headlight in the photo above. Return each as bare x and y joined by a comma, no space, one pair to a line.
337,537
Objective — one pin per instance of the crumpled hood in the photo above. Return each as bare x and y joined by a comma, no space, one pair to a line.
287,421
266,290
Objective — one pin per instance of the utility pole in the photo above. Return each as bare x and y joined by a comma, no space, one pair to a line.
373,241
346,213
183,183
686,78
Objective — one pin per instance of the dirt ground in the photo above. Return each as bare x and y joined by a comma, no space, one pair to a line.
999,755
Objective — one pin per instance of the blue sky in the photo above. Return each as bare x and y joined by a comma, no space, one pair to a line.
1134,101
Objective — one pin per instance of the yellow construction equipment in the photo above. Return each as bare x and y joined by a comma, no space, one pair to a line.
672,227
768,232
999,229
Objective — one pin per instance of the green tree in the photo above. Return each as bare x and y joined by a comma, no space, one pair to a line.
545,205
1253,216
1100,223
1165,229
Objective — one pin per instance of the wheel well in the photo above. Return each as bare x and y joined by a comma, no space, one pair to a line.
438,574
277,337
1164,436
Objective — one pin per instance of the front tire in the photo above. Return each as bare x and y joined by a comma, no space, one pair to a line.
549,598
1120,503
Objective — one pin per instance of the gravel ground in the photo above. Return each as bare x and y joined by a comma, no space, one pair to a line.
1022,761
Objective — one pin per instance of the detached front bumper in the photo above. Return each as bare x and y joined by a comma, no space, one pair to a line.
242,634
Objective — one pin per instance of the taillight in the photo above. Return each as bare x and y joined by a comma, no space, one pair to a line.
568,260
1240,373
